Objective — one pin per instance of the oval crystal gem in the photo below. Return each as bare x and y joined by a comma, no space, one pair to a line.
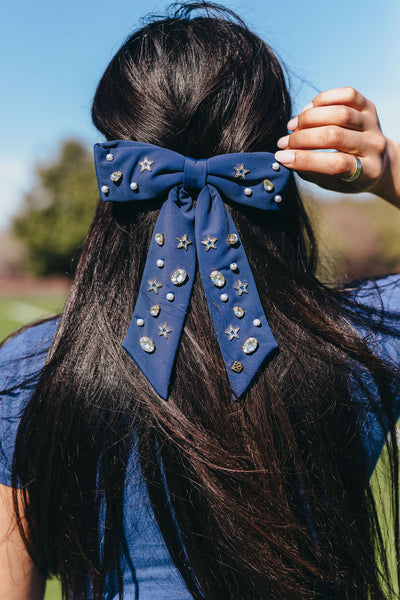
159,239
250,345
233,239
147,344
155,310
217,278
268,185
116,176
238,311
179,276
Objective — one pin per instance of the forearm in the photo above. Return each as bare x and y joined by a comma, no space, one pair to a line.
388,186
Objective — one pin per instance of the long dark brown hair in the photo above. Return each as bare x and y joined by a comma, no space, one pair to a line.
265,498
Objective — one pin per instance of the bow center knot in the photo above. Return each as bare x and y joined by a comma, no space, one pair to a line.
194,175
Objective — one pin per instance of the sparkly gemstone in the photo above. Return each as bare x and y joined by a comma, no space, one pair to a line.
140,322
217,278
232,332
159,239
241,287
278,198
179,276
160,263
164,329
105,189
268,185
250,345
248,191
109,157
237,367
209,243
147,344
134,186
184,242
116,176
276,166
239,312
241,171
154,284
170,296
257,323
233,267
233,239
155,310
145,164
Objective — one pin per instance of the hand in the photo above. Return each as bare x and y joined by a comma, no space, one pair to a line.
344,120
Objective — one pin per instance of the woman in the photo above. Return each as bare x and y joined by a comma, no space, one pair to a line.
117,490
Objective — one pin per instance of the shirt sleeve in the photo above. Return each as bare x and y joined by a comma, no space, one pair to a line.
21,359
384,295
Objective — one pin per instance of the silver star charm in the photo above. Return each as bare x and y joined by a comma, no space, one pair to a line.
209,243
232,332
154,284
241,171
241,287
145,164
184,242
164,330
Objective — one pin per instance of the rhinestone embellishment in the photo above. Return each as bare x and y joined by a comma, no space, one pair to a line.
179,276
237,367
145,164
155,310
238,311
164,330
233,239
159,239
241,287
268,185
147,344
116,176
241,171
154,284
184,242
250,345
209,243
232,332
217,278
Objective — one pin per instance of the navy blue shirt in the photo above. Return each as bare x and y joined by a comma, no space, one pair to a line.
155,577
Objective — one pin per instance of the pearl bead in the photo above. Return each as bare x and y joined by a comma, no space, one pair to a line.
278,198
257,323
248,191
105,189
224,297
276,166
110,157
170,296
160,263
134,186
233,267
140,322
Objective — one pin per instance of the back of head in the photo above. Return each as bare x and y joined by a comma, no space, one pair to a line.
261,490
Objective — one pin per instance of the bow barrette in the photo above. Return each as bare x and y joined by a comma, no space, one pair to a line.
128,171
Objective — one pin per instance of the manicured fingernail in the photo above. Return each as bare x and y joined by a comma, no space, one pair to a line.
292,124
308,106
283,142
285,157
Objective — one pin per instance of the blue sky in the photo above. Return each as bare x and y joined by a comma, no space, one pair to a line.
53,53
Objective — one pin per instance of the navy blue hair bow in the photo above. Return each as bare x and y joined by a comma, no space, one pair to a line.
128,171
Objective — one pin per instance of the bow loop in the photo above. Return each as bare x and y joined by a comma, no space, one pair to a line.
129,171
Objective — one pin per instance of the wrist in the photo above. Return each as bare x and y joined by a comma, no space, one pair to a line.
388,185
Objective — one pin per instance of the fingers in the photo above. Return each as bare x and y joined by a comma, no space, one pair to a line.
344,95
326,137
340,115
337,164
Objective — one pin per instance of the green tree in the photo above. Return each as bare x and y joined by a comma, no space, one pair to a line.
55,216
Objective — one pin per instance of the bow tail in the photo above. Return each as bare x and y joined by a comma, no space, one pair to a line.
242,330
153,334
